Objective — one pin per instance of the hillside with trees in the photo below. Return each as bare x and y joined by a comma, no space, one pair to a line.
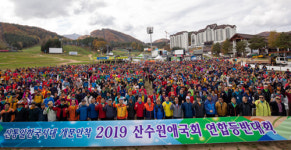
14,36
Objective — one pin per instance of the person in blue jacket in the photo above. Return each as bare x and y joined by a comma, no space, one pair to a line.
210,108
83,111
188,108
92,113
237,95
47,99
159,110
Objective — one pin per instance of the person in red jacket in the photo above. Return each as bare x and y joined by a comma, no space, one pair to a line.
139,108
99,109
62,110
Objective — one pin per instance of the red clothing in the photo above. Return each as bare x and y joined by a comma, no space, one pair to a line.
99,108
139,109
58,109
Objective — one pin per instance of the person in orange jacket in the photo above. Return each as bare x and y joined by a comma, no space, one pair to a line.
121,110
149,109
7,113
72,111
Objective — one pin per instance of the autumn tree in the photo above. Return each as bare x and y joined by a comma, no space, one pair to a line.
241,47
257,42
226,47
272,38
134,45
216,49
100,45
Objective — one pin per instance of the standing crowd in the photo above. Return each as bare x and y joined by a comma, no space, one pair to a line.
187,89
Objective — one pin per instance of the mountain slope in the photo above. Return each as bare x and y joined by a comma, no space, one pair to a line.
113,36
72,36
19,36
162,41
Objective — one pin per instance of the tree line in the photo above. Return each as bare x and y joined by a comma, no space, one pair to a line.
273,41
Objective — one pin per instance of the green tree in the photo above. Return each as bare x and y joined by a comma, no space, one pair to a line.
283,41
257,42
241,47
216,49
226,47
272,38
55,43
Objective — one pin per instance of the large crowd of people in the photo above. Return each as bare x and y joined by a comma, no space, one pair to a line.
143,90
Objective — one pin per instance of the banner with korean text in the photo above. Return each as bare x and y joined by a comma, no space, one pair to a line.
144,132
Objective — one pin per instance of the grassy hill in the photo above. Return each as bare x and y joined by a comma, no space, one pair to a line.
33,57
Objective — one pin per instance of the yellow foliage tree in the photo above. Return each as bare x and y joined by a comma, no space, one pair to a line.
272,38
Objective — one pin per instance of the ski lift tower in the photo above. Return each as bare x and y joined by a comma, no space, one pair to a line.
150,31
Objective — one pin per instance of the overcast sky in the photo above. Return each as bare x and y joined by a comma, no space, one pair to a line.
133,16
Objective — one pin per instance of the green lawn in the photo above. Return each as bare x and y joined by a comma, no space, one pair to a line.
33,57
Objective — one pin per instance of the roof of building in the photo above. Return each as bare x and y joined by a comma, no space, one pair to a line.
178,33
241,35
214,26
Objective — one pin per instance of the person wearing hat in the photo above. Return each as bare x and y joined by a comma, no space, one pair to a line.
51,112
47,99
110,110
209,106
159,110
121,108
38,98
7,113
83,111
277,107
199,107
262,107
188,108
41,116
245,107
130,109
33,112
21,113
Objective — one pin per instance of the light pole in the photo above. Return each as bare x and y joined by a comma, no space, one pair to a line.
150,31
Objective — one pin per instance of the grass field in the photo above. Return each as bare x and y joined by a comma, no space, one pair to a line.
33,57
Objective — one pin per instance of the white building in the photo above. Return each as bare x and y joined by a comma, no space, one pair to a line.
212,34
179,40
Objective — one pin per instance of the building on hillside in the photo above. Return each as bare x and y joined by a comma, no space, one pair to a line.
212,34
179,40
240,37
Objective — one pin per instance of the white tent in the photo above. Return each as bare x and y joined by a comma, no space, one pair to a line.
159,58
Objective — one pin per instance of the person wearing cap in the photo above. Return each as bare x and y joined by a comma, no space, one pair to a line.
38,98
130,109
188,108
139,109
83,111
20,113
48,99
110,110
257,94
209,106
277,94
7,113
93,114
13,102
262,107
33,112
277,107
121,108
177,109
267,94
159,110
248,95
51,112
199,107
130,96
167,108
41,116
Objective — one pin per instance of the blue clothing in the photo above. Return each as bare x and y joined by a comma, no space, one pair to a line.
94,85
46,101
37,88
85,84
188,110
159,112
41,116
83,111
130,97
110,111
238,96
249,97
149,114
92,113
210,105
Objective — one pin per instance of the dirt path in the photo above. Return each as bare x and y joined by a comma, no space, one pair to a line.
68,61
90,56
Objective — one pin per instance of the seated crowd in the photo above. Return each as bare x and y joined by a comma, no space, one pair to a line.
144,90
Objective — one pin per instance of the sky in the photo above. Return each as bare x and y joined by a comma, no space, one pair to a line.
134,16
